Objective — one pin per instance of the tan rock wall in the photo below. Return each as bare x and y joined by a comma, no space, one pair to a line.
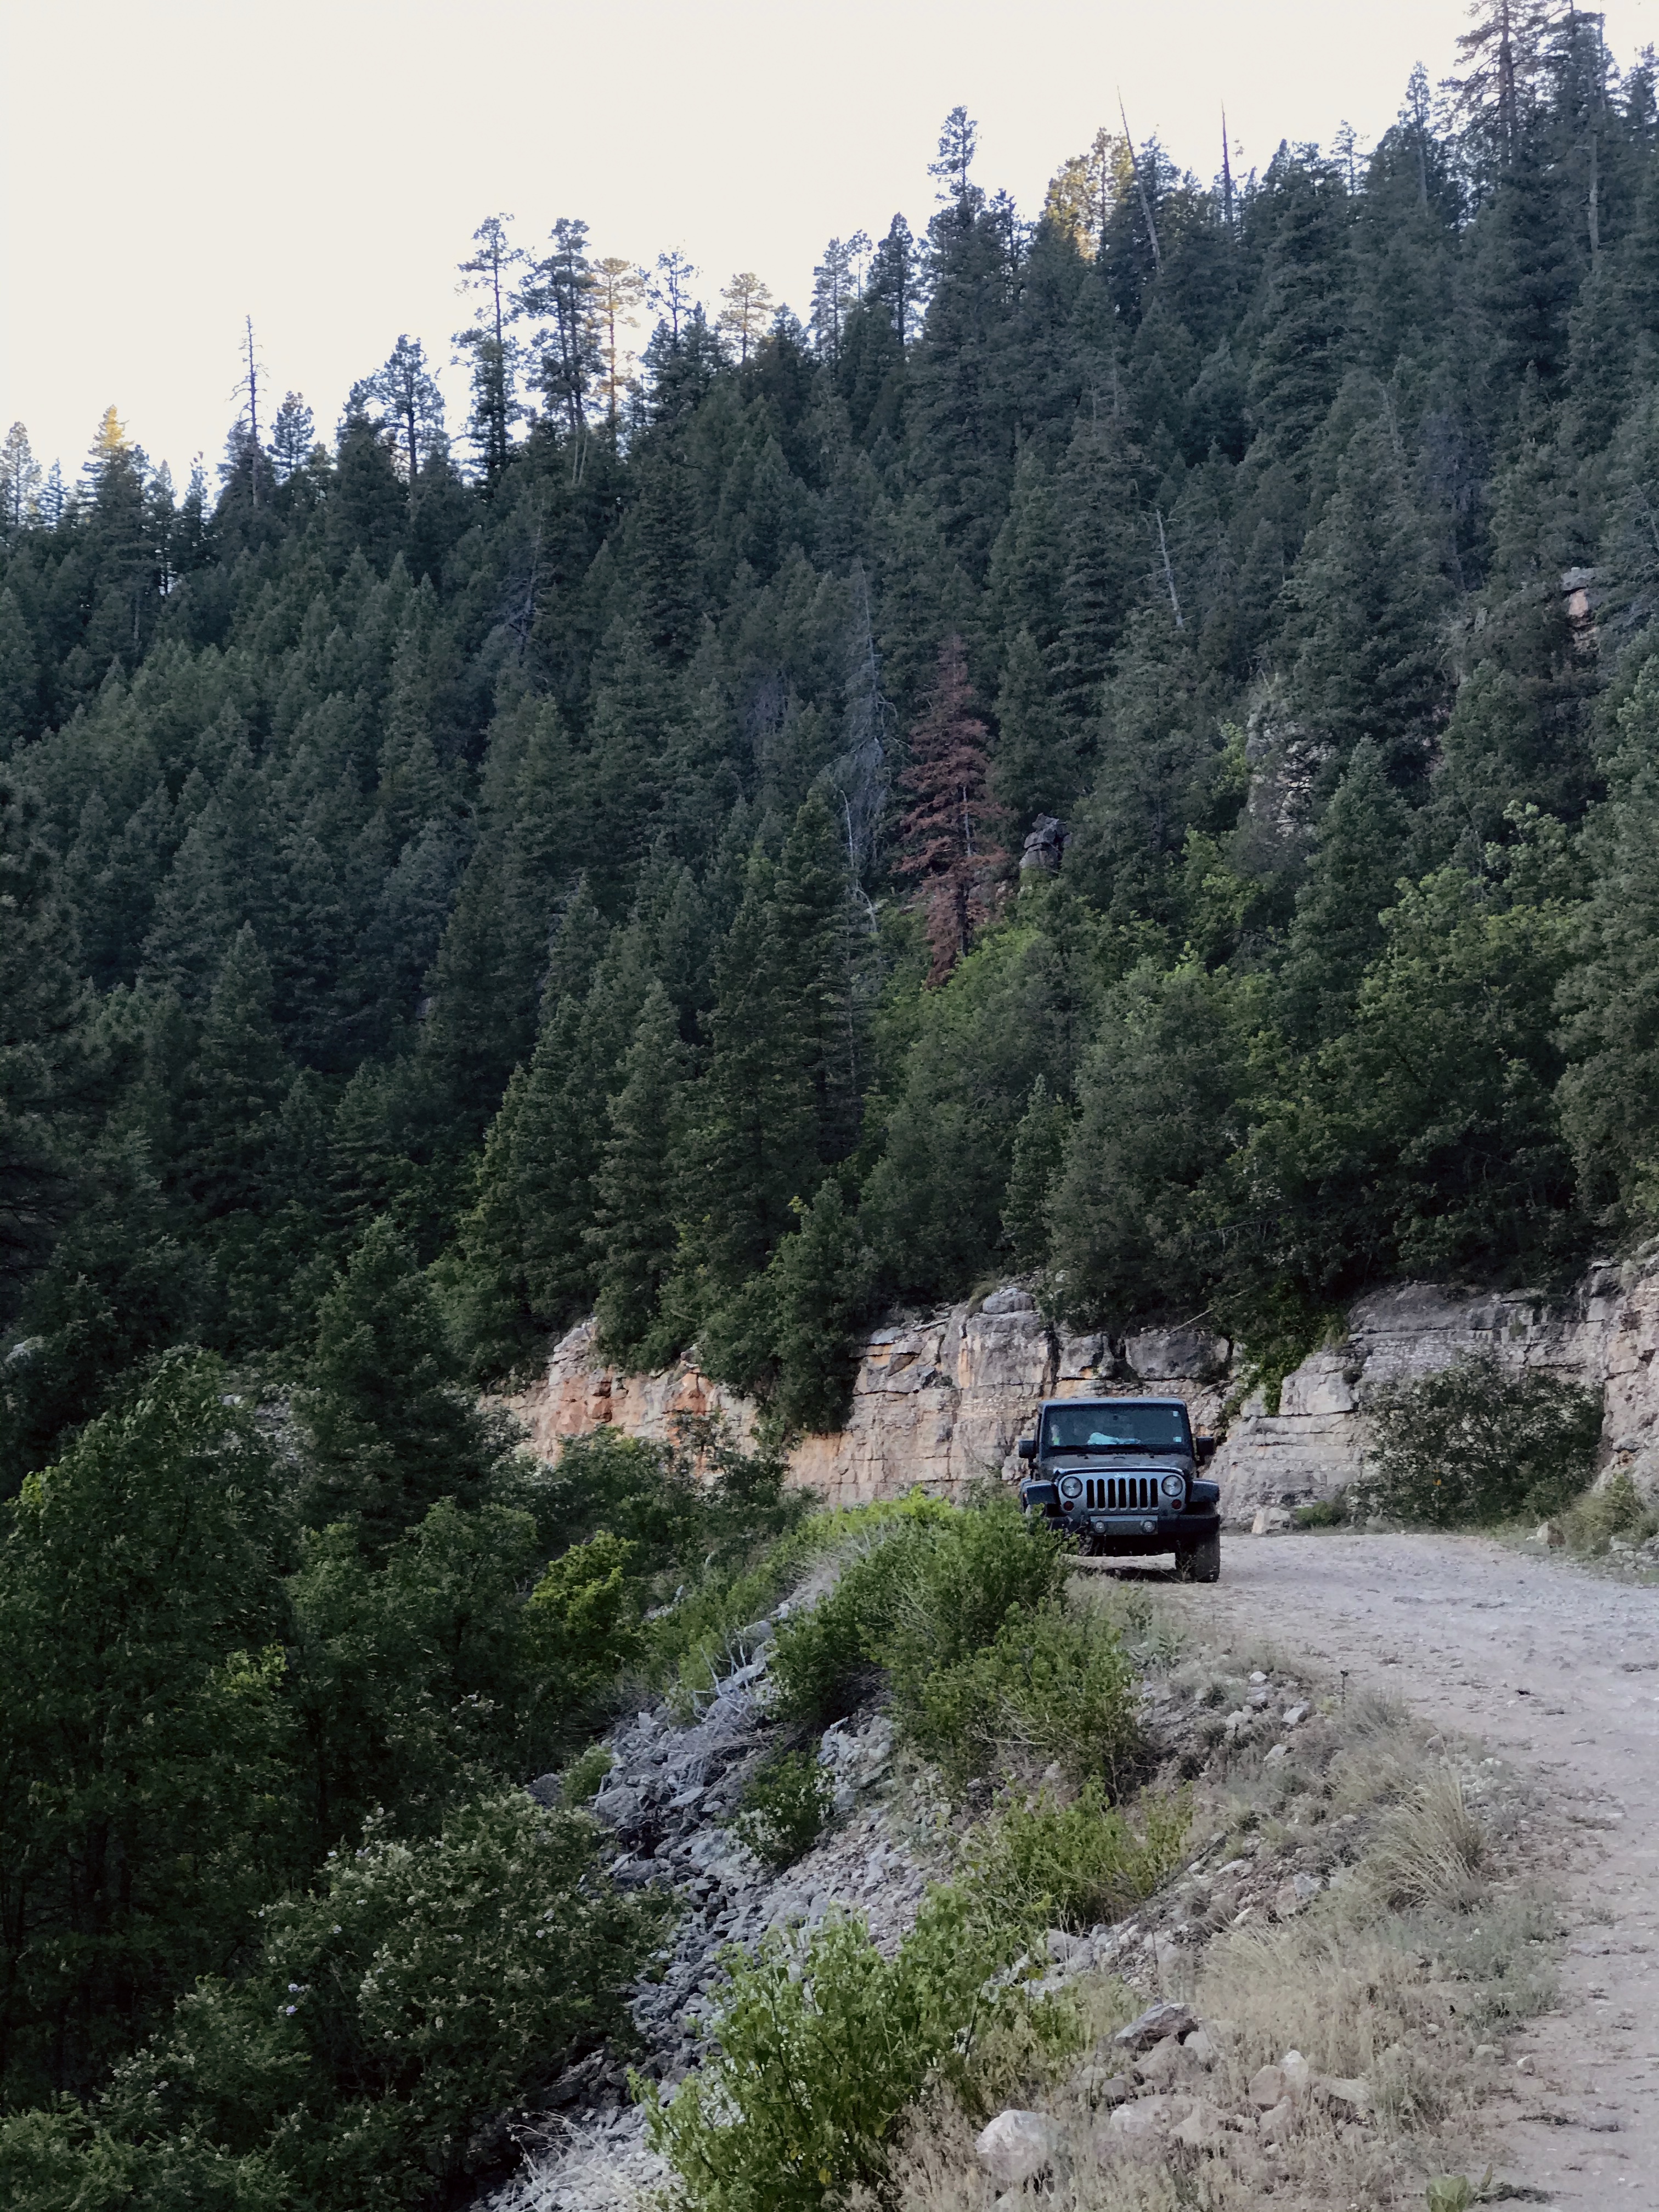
942,1399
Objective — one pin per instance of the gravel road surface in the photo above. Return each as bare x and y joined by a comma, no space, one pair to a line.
1558,1669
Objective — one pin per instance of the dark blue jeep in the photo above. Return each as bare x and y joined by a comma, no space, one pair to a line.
1121,1476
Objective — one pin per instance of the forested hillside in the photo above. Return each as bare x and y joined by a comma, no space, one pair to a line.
449,884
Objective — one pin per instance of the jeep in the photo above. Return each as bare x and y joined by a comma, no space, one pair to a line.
1119,1476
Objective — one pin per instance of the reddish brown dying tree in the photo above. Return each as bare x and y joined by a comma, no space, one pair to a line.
949,834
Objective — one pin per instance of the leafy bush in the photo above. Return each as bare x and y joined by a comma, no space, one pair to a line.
1324,1512
1054,1682
784,1808
581,1620
824,2043
423,1985
582,1777
964,1611
1476,1444
976,1568
1043,1864
825,1658
1615,1509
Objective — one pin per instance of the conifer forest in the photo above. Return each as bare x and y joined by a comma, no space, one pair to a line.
1124,748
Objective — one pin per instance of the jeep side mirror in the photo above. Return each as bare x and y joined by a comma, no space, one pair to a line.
1028,1447
1204,1449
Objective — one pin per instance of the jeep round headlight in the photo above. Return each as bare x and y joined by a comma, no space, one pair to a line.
1173,1486
1071,1488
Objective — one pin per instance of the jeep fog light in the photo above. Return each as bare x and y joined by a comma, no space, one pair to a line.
1172,1485
1071,1488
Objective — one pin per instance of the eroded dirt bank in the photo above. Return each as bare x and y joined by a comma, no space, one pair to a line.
1559,1671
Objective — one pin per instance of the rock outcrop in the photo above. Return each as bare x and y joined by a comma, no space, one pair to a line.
942,1398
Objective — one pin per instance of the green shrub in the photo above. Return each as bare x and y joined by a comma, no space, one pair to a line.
1475,1444
1057,1684
824,2043
784,1808
1615,1509
581,1621
976,1567
582,1777
1324,1512
826,1658
421,1986
1043,1864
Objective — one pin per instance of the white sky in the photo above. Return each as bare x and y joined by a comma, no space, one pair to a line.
170,165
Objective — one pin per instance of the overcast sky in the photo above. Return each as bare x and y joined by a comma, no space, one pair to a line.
172,165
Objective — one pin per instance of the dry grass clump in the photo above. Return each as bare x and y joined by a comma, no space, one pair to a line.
1431,1849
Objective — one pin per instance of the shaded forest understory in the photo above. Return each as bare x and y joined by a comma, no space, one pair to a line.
446,891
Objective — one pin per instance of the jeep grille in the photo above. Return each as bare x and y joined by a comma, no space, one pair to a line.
1103,1492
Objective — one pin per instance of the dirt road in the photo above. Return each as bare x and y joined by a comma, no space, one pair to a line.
1558,1670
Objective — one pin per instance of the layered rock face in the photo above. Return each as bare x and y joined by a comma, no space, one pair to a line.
942,1399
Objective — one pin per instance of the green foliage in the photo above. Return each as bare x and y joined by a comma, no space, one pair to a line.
1049,1684
421,1986
1614,1508
316,1045
582,1777
1038,1862
1476,1443
1323,1513
823,2043
390,1429
580,1620
145,1744
784,1808
964,1612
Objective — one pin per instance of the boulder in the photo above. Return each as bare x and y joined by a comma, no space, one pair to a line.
1009,1300
1099,2087
1203,2128
1166,2064
1199,2045
1266,2086
1352,2095
1298,2074
1176,1355
1152,2027
1278,2122
1044,847
1272,1521
1017,2146
1149,2118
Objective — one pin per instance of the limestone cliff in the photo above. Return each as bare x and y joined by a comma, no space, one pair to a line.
942,1398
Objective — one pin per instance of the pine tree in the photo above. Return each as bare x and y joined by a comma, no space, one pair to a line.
1300,354
43,1012
750,1148
949,832
1038,763
1611,995
241,1079
20,678
1369,604
1107,554
1361,848
812,909
634,1229
489,343
390,1430
1039,1150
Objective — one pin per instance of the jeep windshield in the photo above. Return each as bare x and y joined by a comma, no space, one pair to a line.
1114,1428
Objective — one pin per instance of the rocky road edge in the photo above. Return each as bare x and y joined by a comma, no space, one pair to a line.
672,1784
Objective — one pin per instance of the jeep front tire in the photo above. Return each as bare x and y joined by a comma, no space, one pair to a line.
1201,1562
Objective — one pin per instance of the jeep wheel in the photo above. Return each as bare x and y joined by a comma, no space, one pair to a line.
1199,1563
